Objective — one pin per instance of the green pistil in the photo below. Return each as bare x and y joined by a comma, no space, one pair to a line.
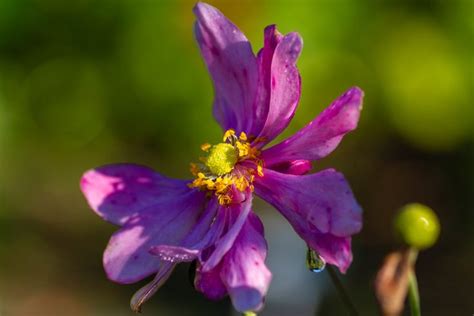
221,159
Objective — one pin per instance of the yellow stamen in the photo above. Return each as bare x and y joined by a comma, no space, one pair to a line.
194,169
228,133
205,146
260,170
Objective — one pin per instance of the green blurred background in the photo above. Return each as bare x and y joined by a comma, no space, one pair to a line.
85,83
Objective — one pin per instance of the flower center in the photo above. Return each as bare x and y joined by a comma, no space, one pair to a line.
229,167
221,159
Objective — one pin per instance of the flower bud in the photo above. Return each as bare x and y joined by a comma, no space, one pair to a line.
417,225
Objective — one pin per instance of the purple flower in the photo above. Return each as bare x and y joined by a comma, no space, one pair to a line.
209,219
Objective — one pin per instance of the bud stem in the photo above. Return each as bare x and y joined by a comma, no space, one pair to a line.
413,293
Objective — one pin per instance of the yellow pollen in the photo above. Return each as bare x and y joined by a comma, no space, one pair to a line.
229,133
243,136
222,159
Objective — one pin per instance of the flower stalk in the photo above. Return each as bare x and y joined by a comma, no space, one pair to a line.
341,290
413,293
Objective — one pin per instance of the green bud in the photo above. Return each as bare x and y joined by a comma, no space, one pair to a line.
417,225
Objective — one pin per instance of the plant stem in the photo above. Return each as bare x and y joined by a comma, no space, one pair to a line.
342,291
413,295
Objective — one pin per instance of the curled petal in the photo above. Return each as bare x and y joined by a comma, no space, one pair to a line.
284,87
243,271
320,207
232,65
322,135
144,294
127,258
118,192
264,60
238,215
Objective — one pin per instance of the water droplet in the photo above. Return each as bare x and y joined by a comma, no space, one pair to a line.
314,262
167,258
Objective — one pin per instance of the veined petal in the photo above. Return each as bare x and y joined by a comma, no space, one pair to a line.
232,65
243,270
264,60
320,207
118,192
127,258
237,214
323,200
322,135
284,87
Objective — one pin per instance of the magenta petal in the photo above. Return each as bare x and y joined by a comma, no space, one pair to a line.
232,65
264,59
237,216
335,250
210,284
320,207
285,86
322,135
118,192
144,294
205,233
174,253
127,258
323,200
243,270
296,167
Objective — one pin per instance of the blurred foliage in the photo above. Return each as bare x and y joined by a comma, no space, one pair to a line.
86,82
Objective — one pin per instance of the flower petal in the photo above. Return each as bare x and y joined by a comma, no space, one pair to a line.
210,284
322,135
144,294
335,250
204,234
237,214
264,60
243,271
296,167
323,200
118,192
127,258
232,65
284,87
320,207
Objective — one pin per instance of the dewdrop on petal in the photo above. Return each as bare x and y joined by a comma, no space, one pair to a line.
417,225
